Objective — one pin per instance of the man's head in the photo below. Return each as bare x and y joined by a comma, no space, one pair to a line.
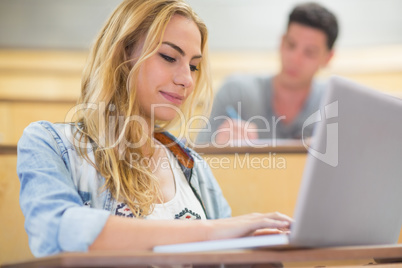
318,17
307,44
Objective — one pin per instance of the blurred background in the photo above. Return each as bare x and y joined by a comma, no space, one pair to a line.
233,24
44,45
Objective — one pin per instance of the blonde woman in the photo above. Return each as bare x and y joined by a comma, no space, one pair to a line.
113,179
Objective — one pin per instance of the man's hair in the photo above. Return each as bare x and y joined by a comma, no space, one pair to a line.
316,16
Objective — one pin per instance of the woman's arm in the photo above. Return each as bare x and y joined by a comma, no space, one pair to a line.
56,219
137,234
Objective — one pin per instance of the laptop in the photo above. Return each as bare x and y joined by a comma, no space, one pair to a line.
351,191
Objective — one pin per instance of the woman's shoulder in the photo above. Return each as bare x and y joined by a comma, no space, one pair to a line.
49,126
62,134
43,130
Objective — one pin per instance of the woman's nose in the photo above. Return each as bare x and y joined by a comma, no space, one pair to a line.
183,77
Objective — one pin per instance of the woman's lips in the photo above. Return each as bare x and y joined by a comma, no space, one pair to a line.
172,97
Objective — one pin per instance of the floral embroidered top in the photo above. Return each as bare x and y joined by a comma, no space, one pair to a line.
184,205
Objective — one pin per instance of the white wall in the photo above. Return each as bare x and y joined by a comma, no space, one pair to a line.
233,24
258,24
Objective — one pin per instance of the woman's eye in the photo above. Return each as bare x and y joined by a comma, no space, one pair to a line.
193,68
167,58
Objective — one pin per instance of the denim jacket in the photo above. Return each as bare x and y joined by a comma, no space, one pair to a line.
61,195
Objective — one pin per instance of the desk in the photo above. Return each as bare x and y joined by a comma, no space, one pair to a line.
128,259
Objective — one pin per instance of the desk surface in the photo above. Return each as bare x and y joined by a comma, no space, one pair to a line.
8,149
124,259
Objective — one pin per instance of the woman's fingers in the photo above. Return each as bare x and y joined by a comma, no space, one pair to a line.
271,231
267,231
257,221
280,217
245,225
273,220
278,224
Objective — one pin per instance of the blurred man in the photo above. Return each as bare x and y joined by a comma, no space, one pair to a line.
275,107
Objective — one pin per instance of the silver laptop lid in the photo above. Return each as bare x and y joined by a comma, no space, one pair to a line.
351,192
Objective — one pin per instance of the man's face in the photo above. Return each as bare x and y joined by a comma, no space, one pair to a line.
303,52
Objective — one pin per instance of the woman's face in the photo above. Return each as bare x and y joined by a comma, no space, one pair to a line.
167,78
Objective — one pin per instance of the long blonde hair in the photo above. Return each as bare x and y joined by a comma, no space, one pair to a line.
107,84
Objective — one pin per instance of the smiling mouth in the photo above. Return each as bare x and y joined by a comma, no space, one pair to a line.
172,97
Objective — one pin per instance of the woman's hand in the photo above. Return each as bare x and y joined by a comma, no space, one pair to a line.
121,233
270,231
246,225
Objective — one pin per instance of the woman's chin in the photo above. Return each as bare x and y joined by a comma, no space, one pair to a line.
167,114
